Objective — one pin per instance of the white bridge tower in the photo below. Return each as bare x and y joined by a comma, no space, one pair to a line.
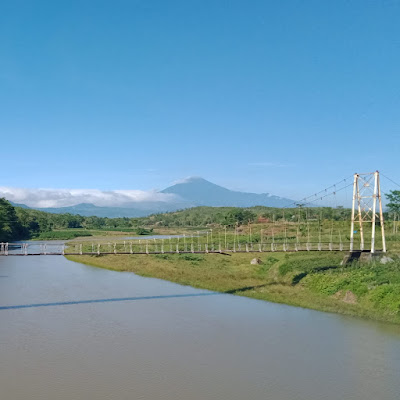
366,195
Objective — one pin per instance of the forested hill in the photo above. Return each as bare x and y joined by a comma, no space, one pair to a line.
21,223
10,226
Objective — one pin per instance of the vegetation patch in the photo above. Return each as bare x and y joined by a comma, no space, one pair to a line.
62,235
266,265
308,262
143,231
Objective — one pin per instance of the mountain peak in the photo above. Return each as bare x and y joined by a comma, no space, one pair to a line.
199,191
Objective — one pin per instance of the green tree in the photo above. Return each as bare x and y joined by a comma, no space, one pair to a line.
394,198
10,226
240,216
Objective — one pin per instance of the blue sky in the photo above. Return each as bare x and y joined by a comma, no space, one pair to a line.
284,97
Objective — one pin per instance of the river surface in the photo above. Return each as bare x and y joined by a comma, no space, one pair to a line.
57,246
73,332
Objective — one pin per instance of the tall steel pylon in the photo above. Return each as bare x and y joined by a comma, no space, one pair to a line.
366,194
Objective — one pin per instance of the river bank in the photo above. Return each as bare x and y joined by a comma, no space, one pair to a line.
311,280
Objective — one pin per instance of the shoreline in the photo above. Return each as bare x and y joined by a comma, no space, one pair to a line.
297,280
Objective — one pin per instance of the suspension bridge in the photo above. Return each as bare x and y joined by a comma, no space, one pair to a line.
158,246
316,223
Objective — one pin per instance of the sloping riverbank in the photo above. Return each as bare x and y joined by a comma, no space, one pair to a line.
310,280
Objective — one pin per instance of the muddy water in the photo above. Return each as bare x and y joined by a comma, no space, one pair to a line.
73,332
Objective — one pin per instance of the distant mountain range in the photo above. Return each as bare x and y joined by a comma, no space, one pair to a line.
190,193
204,193
136,210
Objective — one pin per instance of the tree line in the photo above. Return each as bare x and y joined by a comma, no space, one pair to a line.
21,223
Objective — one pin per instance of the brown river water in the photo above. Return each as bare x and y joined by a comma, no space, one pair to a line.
70,331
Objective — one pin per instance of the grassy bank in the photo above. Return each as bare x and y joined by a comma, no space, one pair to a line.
311,280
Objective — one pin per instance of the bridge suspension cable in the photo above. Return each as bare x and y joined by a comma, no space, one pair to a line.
321,194
391,180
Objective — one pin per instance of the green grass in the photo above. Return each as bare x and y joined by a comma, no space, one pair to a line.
63,235
68,234
312,280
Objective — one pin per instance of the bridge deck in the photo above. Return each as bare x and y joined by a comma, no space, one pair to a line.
225,252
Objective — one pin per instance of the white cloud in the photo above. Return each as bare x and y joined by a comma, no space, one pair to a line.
186,180
43,198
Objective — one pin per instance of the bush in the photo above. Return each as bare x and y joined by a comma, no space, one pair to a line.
143,231
62,235
387,298
192,257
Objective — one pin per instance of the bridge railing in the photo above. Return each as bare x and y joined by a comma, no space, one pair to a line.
165,246
168,247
